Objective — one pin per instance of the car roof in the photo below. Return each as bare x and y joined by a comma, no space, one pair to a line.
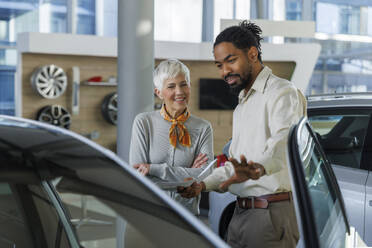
46,141
337,100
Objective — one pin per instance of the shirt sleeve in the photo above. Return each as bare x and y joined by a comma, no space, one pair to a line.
169,173
218,176
285,108
139,150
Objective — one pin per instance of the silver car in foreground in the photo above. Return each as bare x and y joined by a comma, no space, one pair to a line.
343,126
58,189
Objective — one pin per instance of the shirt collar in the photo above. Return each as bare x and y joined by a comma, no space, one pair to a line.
258,85
260,82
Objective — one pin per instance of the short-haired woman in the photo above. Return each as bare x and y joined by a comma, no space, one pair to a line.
171,144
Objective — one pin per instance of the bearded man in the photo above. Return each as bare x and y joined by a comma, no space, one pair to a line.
257,171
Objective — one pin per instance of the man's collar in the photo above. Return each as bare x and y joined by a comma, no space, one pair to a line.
258,85
260,82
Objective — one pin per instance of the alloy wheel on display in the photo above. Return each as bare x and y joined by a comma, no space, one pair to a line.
55,115
49,81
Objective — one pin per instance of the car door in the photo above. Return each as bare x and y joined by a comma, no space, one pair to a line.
342,133
367,163
368,215
317,198
109,203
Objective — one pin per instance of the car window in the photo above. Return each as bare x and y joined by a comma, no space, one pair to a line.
97,225
341,136
103,218
321,186
28,218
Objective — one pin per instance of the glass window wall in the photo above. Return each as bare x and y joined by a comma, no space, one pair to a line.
48,16
7,90
86,17
243,9
179,20
344,63
223,9
338,19
293,9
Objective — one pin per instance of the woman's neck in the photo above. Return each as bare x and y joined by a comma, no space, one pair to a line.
174,114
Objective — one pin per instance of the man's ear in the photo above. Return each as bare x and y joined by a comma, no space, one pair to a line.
158,93
253,54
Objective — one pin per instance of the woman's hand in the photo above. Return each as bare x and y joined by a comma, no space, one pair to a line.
200,160
142,168
192,191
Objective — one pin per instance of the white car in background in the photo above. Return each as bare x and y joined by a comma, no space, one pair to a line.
343,126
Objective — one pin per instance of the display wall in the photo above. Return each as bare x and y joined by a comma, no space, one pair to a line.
89,118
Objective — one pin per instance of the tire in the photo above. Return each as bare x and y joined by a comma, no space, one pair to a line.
225,220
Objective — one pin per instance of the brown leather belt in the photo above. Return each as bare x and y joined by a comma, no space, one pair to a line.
262,201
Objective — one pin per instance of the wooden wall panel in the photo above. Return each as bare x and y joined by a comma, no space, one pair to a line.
90,117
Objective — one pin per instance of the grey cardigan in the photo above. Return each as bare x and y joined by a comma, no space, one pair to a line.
150,144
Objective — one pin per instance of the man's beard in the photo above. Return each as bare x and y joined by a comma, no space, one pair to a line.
236,88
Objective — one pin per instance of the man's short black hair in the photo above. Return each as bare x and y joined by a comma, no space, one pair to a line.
243,36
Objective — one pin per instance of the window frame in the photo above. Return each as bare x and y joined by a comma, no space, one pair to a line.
62,213
23,196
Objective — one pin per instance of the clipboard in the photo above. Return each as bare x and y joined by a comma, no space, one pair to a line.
173,185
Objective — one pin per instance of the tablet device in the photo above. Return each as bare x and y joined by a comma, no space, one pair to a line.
173,185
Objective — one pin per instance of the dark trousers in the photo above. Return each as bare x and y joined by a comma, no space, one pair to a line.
275,226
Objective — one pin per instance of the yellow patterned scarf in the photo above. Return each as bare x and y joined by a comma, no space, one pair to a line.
183,134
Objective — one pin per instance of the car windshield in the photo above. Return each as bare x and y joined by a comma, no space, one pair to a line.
326,203
341,134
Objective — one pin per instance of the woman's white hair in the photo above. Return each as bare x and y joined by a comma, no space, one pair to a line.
169,69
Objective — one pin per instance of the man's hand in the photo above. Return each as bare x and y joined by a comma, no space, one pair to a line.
200,160
243,171
192,191
142,168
